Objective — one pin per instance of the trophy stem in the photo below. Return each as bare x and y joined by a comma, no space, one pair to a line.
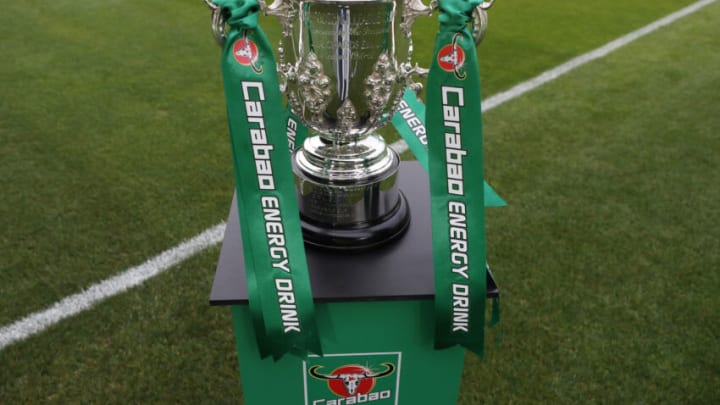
347,193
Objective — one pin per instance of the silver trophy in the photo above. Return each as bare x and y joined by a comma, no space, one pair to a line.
344,65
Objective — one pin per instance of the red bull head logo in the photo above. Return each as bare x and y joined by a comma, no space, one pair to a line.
246,54
353,378
349,380
452,57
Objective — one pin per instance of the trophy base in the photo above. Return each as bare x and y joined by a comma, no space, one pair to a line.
360,236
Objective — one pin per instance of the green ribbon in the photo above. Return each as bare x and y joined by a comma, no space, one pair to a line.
454,138
409,121
279,294
296,130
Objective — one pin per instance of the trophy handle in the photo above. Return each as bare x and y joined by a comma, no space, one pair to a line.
416,8
480,21
285,11
412,9
217,23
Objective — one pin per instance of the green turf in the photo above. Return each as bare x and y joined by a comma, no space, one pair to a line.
159,343
114,148
114,142
610,247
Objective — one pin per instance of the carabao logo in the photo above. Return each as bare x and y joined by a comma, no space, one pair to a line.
246,54
351,379
451,58
354,378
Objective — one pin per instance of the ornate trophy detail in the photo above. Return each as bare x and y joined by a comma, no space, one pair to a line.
314,85
379,87
347,116
343,72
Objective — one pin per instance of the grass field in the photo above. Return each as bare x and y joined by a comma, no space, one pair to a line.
114,148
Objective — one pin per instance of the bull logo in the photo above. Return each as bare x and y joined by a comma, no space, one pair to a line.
452,57
349,380
246,54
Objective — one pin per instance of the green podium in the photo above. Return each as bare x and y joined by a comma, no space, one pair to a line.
375,316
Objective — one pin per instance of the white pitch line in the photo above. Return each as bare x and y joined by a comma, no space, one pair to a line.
552,74
69,306
74,304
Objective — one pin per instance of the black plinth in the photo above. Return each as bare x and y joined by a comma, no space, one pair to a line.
402,269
